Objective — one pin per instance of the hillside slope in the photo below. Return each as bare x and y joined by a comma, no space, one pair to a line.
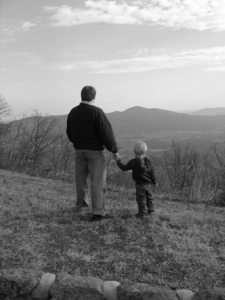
40,230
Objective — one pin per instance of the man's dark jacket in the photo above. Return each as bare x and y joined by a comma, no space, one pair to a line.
142,171
88,128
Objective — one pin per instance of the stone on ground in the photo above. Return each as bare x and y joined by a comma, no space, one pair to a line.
20,298
19,282
184,294
110,290
69,287
143,291
42,290
210,294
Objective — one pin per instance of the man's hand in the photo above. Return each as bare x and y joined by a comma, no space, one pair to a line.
116,156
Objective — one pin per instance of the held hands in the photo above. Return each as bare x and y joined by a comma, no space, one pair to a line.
116,156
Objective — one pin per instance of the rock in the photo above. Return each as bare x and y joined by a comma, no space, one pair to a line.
42,290
212,294
19,298
19,282
184,294
143,291
110,289
69,287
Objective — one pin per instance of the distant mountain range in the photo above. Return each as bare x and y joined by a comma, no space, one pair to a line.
158,128
209,111
138,120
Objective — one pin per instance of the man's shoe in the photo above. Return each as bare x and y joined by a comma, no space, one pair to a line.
100,217
150,212
96,218
139,216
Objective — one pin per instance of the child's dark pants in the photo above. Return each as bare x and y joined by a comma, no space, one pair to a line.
144,198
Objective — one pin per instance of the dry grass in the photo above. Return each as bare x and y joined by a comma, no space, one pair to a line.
183,244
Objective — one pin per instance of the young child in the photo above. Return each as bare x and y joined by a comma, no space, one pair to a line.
143,175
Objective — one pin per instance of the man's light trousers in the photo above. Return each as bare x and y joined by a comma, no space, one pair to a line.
93,163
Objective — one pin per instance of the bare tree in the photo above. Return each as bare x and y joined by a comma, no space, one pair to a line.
5,110
181,166
219,163
191,176
17,146
42,134
29,142
61,160
66,153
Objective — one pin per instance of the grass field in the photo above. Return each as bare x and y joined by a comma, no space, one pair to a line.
182,245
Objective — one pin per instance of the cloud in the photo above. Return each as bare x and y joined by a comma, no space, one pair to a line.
216,69
101,11
199,57
27,25
8,31
191,14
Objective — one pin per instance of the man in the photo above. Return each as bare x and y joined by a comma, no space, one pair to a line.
90,132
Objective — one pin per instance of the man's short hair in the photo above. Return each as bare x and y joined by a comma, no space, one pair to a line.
140,148
88,93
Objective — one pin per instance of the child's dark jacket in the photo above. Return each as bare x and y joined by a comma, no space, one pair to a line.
142,171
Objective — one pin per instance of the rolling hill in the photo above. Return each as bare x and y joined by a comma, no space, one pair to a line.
159,127
139,120
209,111
142,120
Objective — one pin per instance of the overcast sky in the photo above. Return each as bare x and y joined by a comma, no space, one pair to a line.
167,54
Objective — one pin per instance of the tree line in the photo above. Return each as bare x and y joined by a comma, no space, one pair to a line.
35,144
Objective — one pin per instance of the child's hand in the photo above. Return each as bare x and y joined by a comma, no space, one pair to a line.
116,156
